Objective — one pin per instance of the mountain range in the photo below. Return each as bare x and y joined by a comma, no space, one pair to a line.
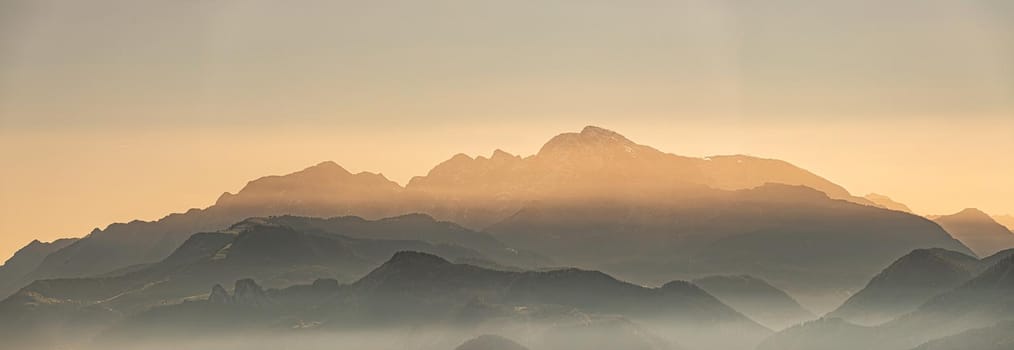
592,199
273,252
906,284
981,306
440,301
27,259
587,243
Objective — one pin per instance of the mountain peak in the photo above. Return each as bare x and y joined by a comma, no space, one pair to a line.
500,154
324,169
411,218
940,255
978,231
219,295
594,131
249,224
973,213
415,258
327,165
590,137
490,342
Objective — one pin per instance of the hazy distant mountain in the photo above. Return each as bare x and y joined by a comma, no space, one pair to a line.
26,259
756,299
428,294
980,302
322,190
978,231
906,284
490,342
886,202
1005,220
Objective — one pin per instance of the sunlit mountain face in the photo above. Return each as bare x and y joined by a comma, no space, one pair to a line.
507,175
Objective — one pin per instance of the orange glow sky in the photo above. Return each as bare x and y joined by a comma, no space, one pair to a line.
113,110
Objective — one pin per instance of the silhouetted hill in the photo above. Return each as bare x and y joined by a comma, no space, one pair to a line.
978,303
427,293
996,258
412,280
978,231
756,299
490,342
886,202
277,256
325,189
26,259
906,284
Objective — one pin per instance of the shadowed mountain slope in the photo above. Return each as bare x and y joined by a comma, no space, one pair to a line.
793,236
996,258
978,231
980,302
278,256
325,189
756,299
26,259
906,284
416,227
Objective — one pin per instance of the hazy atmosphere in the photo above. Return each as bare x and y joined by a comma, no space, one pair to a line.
116,111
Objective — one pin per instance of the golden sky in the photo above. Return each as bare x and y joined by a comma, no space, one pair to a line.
116,110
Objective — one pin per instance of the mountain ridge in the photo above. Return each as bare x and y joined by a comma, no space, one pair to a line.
906,284
592,165
978,231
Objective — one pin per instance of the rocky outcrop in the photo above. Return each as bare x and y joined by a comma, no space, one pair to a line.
246,293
